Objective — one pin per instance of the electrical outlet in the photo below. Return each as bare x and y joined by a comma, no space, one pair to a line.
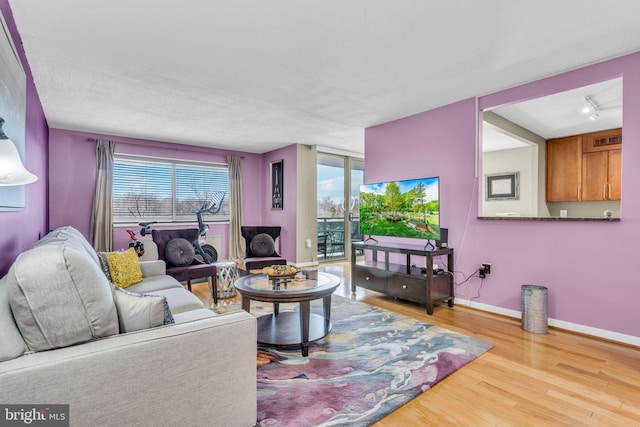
487,267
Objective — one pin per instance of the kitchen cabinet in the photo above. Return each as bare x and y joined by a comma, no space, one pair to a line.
584,167
564,169
615,174
601,176
602,141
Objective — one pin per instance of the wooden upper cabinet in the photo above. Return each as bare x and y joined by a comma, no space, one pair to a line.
563,172
601,165
594,176
584,167
602,141
615,174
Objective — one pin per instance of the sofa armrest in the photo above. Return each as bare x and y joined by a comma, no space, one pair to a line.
153,268
181,374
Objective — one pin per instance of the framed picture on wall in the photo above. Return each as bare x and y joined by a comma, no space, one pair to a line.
276,184
502,186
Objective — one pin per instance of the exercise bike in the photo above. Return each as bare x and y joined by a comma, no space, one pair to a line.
204,251
137,245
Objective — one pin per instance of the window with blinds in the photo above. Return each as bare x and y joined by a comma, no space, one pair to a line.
167,190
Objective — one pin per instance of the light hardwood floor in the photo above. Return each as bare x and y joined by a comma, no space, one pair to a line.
526,379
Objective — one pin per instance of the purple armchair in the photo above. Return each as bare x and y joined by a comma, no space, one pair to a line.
175,248
261,247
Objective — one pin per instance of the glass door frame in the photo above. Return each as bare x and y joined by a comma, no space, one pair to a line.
347,214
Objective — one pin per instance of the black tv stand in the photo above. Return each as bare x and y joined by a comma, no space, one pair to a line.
403,280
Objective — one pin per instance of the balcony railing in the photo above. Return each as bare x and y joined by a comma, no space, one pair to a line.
331,238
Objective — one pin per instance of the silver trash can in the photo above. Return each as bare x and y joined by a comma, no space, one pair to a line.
534,309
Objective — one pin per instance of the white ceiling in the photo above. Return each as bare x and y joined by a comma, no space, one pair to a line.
255,75
559,115
495,139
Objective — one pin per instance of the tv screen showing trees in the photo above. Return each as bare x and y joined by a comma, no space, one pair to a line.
408,208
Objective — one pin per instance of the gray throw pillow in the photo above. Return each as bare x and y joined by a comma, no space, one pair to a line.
179,252
263,245
140,311
104,265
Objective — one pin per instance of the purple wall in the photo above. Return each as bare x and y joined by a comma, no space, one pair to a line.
72,164
19,230
588,267
287,216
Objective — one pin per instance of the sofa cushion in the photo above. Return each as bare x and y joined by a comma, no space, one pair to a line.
179,252
151,268
71,235
60,297
124,268
263,245
180,300
12,345
193,315
150,285
140,311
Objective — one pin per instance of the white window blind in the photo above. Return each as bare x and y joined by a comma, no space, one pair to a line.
167,190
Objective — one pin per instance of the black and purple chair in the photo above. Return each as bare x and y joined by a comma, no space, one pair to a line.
261,247
175,248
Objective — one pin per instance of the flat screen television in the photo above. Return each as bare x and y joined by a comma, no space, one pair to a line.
408,208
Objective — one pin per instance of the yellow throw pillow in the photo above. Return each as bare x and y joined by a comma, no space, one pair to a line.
124,267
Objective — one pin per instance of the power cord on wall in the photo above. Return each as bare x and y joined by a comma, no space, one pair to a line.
479,289
475,274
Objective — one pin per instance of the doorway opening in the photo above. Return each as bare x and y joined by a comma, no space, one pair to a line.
338,206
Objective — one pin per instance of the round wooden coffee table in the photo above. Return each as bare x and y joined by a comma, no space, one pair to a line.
290,328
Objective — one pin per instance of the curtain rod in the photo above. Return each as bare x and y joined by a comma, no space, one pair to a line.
131,143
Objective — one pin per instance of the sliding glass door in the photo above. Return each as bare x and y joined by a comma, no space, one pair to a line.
339,180
357,179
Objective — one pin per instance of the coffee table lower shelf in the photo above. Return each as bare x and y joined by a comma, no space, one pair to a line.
284,328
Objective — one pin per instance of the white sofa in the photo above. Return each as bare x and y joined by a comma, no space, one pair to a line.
60,343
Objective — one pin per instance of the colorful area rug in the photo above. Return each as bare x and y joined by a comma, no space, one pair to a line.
372,362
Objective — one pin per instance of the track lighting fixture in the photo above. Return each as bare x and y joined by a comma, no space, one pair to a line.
590,108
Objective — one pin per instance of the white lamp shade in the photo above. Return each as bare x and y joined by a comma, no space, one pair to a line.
12,171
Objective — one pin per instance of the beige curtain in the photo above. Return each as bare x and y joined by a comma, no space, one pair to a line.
236,242
102,213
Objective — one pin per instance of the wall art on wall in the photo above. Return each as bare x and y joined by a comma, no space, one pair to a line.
502,186
13,104
276,184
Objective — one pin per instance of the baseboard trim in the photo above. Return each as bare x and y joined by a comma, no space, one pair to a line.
561,324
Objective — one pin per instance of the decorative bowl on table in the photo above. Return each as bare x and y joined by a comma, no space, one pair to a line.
278,272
